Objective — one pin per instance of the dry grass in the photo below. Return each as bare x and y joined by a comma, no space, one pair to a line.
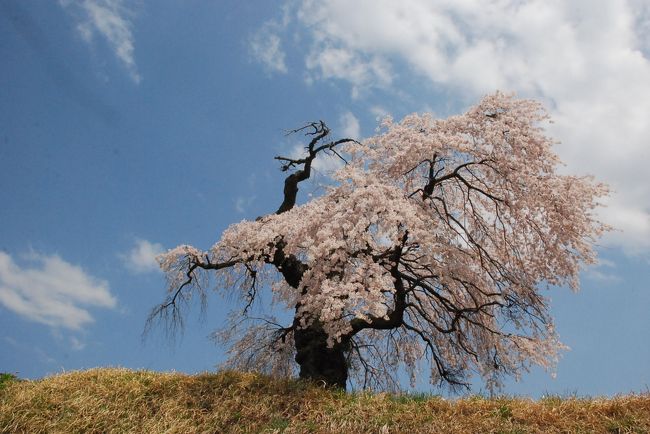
121,401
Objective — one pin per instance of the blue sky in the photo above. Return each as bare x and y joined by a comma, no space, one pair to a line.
131,127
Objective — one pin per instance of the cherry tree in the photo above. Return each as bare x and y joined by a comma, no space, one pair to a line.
429,251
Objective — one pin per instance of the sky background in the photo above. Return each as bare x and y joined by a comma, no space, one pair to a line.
129,127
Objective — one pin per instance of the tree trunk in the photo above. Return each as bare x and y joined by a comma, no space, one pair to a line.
318,362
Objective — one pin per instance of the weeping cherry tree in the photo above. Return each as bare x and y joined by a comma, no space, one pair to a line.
429,251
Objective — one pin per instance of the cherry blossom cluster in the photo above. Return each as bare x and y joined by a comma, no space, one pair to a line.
435,243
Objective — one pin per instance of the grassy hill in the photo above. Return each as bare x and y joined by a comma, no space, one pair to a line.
121,401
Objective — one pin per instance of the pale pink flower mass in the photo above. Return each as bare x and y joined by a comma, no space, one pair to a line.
434,244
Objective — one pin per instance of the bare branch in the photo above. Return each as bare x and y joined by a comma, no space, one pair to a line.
319,131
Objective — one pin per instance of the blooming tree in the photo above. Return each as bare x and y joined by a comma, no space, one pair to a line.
430,250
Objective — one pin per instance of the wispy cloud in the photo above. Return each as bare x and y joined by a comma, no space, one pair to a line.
77,344
362,71
588,60
142,257
641,10
243,203
603,271
265,45
52,292
112,21
349,125
378,112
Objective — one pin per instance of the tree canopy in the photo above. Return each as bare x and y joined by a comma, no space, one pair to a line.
431,248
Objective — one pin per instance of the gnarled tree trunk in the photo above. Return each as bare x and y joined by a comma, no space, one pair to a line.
318,362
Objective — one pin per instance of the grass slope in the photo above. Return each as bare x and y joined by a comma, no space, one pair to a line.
121,401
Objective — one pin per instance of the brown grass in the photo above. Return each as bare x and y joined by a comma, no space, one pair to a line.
125,401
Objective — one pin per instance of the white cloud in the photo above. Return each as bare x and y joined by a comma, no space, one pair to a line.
603,271
588,60
54,292
349,125
265,47
77,344
142,257
342,63
110,19
641,10
379,112
242,203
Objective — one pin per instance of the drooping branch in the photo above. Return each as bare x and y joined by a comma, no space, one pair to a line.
395,317
453,377
433,180
436,251
369,360
288,265
170,310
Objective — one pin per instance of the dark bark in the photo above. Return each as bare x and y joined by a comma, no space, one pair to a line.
329,365
318,362
319,132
